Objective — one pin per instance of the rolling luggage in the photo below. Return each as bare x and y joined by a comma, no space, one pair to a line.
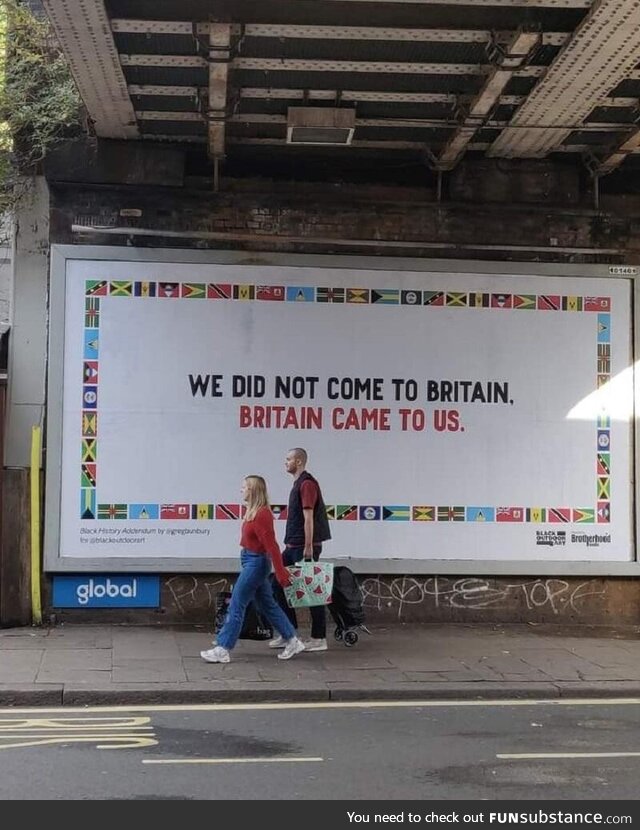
346,606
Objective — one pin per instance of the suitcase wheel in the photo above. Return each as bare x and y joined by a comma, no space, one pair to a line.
350,638
337,634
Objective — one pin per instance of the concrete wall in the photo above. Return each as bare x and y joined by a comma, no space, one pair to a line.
191,598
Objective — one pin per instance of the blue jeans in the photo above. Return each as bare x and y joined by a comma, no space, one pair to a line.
318,614
253,583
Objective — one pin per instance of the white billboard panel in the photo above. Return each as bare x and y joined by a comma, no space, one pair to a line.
447,416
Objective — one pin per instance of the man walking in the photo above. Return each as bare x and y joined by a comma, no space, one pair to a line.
307,528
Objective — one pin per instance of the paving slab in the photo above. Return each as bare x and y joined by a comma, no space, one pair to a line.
119,664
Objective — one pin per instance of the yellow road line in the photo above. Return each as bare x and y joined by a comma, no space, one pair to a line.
538,756
371,704
232,760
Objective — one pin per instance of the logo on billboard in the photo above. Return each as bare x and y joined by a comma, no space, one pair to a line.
551,538
106,591
591,540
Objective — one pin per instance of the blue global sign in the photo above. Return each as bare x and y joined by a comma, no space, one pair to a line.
99,591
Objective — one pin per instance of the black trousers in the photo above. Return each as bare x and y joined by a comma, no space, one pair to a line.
291,556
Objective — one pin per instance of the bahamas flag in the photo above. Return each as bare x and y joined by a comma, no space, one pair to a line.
87,504
396,513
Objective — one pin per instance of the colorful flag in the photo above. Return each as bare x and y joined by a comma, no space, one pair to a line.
510,514
604,464
604,365
168,289
604,440
217,291
450,514
537,515
329,295
275,293
370,513
144,289
89,450
87,504
89,424
175,511
603,421
112,511
433,298
411,297
90,371
572,303
331,511
604,328
279,511
601,380
455,298
193,290
385,296
244,292
201,511
396,513
90,397
479,300
91,344
96,288
501,301
559,514
346,512
597,303
604,491
92,312
88,475
301,294
228,511
480,514
604,512
582,515
423,513
144,511
526,302
121,288
549,302
357,295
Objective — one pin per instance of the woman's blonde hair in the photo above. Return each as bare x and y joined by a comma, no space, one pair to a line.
257,496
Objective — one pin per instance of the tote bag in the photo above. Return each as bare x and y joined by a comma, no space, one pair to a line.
311,584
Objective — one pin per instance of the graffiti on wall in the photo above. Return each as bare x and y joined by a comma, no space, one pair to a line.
195,593
553,595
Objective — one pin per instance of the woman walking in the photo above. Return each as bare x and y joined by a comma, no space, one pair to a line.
258,550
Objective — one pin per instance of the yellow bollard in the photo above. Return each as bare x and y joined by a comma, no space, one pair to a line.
36,603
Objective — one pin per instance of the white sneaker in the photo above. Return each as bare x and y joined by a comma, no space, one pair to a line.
216,655
294,646
278,642
315,645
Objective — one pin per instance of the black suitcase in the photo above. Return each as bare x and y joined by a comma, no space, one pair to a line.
346,606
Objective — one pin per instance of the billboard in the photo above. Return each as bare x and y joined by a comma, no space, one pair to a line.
447,416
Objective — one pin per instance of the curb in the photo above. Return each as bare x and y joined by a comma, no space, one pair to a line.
61,696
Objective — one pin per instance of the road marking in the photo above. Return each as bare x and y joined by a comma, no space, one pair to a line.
372,704
232,760
106,733
537,756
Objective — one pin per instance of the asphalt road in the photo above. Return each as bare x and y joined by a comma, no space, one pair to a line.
430,751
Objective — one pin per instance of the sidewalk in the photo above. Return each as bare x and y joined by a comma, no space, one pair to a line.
116,664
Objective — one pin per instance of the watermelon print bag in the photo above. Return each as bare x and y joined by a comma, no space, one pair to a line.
311,584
